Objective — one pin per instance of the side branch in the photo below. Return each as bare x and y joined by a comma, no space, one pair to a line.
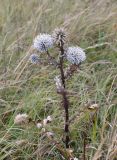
52,59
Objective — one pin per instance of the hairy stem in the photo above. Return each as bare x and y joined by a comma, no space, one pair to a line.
61,66
65,99
66,128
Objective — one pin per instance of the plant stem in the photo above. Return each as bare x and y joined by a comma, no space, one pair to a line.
66,128
61,66
65,99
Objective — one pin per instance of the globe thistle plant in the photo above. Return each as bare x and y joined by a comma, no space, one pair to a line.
43,42
74,55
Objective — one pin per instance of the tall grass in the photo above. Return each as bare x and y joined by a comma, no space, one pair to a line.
93,26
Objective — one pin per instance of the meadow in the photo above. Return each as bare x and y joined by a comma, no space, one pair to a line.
30,89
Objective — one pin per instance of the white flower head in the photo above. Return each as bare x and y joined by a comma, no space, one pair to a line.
49,118
39,125
21,118
43,42
34,58
75,55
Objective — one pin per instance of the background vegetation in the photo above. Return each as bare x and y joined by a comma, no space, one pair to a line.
25,88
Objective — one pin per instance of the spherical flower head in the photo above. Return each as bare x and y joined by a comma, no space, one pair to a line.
49,118
75,55
21,119
39,125
34,58
43,42
59,35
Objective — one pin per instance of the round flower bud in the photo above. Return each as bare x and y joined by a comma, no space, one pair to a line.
75,55
59,35
34,58
43,42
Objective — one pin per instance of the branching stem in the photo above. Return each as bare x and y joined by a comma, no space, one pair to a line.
51,59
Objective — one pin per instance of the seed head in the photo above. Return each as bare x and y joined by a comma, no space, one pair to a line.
59,36
34,58
43,42
21,118
75,55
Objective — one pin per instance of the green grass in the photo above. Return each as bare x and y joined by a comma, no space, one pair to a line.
32,90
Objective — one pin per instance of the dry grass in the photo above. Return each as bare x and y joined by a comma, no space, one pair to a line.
92,24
